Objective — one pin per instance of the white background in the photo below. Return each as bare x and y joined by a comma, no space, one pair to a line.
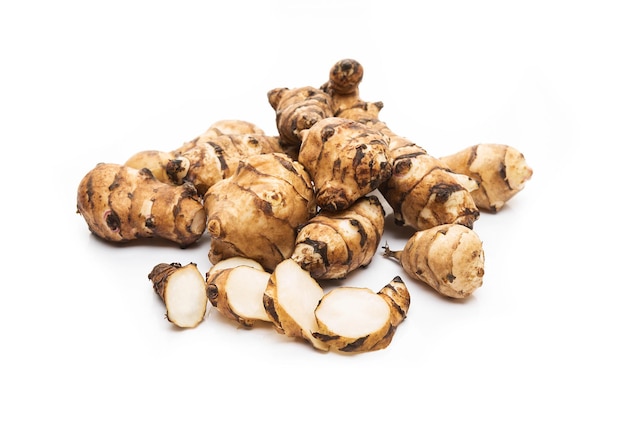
536,353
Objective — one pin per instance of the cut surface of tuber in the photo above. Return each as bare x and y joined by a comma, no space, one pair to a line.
183,290
290,299
353,312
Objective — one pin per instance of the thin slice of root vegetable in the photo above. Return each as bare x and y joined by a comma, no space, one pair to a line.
290,299
183,290
237,292
358,319
231,262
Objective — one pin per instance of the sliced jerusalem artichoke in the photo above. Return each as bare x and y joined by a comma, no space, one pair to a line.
183,290
290,299
237,292
353,319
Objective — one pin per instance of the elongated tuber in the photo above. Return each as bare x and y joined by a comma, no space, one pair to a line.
345,159
335,243
183,290
255,213
449,258
121,204
290,300
353,319
500,171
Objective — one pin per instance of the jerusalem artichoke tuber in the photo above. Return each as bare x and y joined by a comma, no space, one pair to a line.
449,258
334,243
345,159
500,171
255,212
121,204
297,110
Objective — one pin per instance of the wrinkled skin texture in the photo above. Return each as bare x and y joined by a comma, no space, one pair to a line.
500,170
333,244
121,204
346,160
255,213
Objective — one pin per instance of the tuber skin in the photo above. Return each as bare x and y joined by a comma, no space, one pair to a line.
166,167
346,160
121,204
342,86
335,243
208,158
449,258
297,110
422,191
255,212
183,290
500,170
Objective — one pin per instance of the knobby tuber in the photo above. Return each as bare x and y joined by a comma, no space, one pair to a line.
121,204
500,170
345,159
449,258
297,110
183,290
334,243
208,158
255,212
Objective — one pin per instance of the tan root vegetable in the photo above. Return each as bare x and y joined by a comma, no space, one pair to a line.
500,170
121,204
255,213
183,290
343,83
334,243
345,159
449,258
422,191
353,319
169,167
237,292
290,300
208,158
234,127
297,110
